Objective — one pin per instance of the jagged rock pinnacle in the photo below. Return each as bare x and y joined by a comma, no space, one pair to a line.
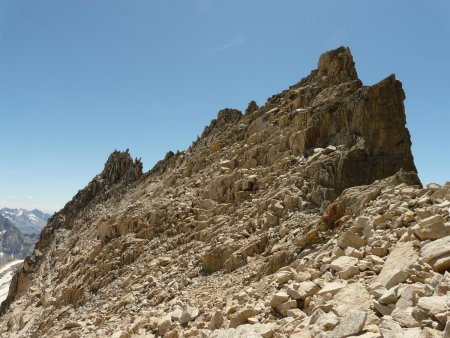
119,165
337,66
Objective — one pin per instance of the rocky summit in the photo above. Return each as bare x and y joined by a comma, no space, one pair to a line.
301,218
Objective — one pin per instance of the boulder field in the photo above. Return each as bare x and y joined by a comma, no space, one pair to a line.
301,218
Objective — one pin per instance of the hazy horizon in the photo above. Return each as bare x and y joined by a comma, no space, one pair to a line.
81,79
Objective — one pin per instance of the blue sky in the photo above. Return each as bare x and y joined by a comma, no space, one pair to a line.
79,79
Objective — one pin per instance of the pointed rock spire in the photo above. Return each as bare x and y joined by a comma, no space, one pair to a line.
337,66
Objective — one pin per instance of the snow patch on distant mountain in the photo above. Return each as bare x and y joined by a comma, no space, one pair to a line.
13,243
28,221
6,274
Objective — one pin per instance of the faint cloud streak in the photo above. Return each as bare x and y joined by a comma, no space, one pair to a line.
233,43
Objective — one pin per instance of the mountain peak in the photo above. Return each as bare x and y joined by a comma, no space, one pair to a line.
29,222
337,66
120,165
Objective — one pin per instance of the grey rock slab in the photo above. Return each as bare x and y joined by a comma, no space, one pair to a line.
279,298
391,329
442,263
327,321
343,263
389,297
284,307
394,269
241,316
443,192
348,273
316,315
294,294
333,288
404,316
296,313
189,314
353,297
266,330
434,304
176,314
216,319
431,228
243,331
435,249
385,310
351,324
306,289
351,239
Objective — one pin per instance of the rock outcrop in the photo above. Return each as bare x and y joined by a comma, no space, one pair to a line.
119,172
301,218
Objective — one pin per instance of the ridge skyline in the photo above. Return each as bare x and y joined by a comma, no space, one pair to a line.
78,105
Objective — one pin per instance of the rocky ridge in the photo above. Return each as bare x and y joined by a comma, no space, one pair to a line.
301,218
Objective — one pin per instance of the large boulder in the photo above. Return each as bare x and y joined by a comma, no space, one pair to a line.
395,269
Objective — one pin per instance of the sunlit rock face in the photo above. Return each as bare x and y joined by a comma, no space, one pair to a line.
300,218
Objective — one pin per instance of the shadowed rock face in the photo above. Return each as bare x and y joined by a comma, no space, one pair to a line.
120,166
248,199
368,122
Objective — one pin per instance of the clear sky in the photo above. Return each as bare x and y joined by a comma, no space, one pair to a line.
79,79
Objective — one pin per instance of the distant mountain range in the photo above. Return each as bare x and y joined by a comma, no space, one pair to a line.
13,243
28,222
19,231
